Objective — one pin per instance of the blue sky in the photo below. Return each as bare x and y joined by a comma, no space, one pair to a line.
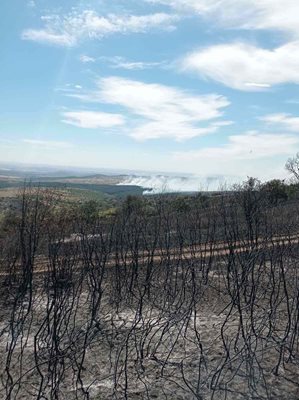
208,87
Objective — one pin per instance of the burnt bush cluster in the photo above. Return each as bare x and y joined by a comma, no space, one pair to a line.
167,298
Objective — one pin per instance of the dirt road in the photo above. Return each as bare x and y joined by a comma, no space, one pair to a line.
196,252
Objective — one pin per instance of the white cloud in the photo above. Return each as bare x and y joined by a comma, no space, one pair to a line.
282,120
251,154
240,65
165,129
159,111
151,100
246,67
258,85
44,36
164,111
69,29
86,59
122,63
92,119
48,144
250,146
244,14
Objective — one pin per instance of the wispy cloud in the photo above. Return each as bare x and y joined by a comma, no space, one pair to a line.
250,146
241,65
69,29
283,120
122,63
159,111
46,36
246,67
47,144
243,14
86,59
31,3
92,119
255,154
292,101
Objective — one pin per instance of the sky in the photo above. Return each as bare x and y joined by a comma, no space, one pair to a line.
207,87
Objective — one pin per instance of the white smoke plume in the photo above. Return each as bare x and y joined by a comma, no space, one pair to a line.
155,184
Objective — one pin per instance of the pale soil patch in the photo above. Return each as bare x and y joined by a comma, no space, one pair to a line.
9,193
155,353
158,374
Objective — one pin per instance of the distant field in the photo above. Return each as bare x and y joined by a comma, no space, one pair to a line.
89,179
86,187
9,192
